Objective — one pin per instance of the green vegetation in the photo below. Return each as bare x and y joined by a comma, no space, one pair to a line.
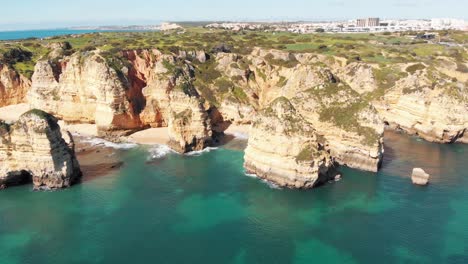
306,154
386,78
415,67
50,119
288,63
346,117
282,81
240,94
371,48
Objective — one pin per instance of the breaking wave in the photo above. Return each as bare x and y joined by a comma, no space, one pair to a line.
269,183
159,151
200,152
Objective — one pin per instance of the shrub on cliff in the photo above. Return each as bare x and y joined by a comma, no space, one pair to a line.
15,55
51,120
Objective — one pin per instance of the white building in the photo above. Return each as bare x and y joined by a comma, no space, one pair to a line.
448,23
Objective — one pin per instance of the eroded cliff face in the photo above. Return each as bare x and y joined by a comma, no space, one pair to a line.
284,148
429,104
173,100
197,95
13,86
84,88
347,121
33,149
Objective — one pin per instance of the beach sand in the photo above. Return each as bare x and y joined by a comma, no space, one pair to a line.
150,136
12,113
160,135
146,137
82,129
241,131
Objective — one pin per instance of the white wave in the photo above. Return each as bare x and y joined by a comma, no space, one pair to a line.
102,142
272,185
267,182
240,135
251,175
159,151
200,152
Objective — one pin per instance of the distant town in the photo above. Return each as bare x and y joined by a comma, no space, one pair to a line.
371,24
374,24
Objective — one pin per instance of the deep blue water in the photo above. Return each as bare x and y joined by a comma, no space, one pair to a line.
204,209
24,34
17,35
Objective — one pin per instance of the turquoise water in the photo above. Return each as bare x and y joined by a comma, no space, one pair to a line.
203,209
24,34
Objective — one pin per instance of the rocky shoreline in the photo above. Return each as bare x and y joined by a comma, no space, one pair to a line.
308,112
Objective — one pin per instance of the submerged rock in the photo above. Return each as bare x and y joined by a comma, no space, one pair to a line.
420,177
33,149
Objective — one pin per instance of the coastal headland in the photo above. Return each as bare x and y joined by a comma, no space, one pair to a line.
308,102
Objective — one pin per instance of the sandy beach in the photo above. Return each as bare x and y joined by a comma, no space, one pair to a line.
82,129
12,113
240,131
150,136
145,137
160,135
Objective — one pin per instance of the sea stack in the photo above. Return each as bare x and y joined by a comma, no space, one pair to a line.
284,149
33,149
420,177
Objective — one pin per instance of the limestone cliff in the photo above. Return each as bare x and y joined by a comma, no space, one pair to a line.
285,149
34,149
85,88
13,86
429,104
173,99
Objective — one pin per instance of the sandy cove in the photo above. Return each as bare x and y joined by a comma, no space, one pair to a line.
150,136
154,136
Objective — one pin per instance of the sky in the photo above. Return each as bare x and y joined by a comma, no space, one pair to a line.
32,14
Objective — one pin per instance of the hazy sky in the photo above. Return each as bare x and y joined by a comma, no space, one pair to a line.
20,14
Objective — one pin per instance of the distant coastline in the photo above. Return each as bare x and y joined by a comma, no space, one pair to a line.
47,33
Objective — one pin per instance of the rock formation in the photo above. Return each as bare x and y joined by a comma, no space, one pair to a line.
84,88
198,94
13,86
33,149
419,177
285,149
429,104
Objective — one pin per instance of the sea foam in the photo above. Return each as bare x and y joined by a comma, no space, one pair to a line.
240,135
102,142
267,182
200,152
159,151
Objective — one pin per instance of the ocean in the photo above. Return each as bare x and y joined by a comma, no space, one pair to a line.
161,207
25,34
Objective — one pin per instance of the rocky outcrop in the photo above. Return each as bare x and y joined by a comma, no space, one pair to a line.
33,149
428,104
13,86
84,88
173,100
189,124
285,149
420,177
351,127
345,119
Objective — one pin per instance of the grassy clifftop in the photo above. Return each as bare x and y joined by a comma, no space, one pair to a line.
372,48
